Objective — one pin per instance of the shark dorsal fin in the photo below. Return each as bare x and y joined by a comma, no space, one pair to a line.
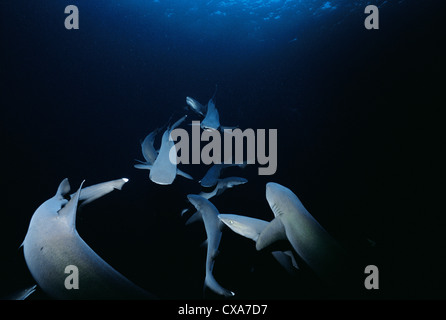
68,212
63,189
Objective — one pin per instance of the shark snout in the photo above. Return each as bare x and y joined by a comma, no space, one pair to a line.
226,219
272,188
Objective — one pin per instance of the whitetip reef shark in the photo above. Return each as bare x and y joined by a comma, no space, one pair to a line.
211,178
307,237
209,214
222,185
52,243
162,170
148,149
211,120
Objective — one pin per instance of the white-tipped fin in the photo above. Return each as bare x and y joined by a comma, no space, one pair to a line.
212,284
96,191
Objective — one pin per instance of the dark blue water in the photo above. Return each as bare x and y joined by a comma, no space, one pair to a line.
348,103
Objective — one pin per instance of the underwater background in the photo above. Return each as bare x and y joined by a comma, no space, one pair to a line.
350,106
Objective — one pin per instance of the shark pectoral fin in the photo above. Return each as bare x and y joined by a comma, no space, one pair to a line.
195,217
68,212
96,191
289,253
184,174
273,232
143,166
286,260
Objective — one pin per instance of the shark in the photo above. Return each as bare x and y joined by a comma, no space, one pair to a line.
52,243
163,171
196,106
212,119
308,238
210,114
222,185
209,214
251,228
211,177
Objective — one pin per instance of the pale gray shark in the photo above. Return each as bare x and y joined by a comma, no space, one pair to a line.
212,119
222,185
52,243
164,171
251,228
211,177
196,106
307,237
209,214
210,113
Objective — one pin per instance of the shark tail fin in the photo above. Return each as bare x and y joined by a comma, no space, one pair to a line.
213,285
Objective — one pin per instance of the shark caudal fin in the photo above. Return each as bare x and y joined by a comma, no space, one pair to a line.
213,285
